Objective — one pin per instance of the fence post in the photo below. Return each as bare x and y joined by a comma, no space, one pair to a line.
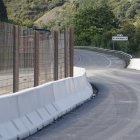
65,53
71,50
55,55
15,58
36,59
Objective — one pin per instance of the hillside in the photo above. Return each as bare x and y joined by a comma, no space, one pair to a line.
94,21
123,9
27,11
46,11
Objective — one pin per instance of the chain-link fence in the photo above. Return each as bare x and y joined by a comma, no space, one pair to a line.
30,57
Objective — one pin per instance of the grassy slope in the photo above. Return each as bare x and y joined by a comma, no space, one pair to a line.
49,16
57,15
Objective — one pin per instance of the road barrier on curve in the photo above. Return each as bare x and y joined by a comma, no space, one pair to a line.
122,55
28,111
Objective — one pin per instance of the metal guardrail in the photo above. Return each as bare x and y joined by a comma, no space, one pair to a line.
122,55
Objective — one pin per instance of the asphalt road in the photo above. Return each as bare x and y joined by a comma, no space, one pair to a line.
115,112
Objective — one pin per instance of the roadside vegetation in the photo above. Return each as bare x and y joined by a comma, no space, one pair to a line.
96,26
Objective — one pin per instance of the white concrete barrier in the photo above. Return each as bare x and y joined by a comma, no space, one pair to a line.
46,98
28,103
6,103
28,111
62,101
81,90
70,89
8,111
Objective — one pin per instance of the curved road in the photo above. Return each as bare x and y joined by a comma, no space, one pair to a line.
115,112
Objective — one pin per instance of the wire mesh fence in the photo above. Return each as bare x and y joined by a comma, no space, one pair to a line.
25,58
6,58
30,57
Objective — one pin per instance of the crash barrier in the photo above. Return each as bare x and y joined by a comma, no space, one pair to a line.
28,111
122,55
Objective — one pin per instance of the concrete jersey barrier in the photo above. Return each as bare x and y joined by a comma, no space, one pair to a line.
28,111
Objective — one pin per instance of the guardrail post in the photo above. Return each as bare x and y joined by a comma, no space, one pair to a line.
71,44
36,59
55,55
15,58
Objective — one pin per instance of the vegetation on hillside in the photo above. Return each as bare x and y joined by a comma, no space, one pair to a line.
125,8
25,12
91,23
95,21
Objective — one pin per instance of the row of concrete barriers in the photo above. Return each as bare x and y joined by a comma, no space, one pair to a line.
25,112
122,55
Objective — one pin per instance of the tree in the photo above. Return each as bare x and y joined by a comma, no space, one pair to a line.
90,21
105,18
3,12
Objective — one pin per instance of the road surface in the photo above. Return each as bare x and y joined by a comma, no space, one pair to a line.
115,112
